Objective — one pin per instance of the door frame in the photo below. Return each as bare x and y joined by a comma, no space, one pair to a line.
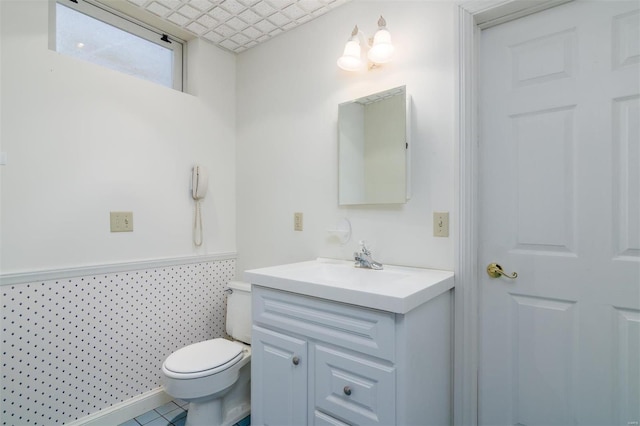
472,18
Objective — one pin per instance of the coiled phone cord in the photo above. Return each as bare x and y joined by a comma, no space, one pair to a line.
197,226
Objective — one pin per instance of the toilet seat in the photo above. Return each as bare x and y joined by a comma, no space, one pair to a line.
202,359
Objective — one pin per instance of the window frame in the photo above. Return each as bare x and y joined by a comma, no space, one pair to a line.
128,24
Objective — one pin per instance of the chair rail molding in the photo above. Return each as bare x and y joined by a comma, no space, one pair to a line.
70,272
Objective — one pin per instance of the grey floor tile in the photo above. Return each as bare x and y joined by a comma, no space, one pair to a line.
174,415
169,406
245,422
160,421
181,403
145,418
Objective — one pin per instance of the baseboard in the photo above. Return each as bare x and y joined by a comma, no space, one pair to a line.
126,410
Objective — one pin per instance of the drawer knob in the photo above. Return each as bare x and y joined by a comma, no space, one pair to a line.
347,390
295,360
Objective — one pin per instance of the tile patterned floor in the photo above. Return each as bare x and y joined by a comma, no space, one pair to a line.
172,413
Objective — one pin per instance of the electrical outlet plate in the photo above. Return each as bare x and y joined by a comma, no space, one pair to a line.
440,224
121,221
297,221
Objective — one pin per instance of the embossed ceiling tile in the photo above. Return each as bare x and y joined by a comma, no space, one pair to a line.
169,4
332,4
252,33
304,19
202,5
293,11
219,14
265,26
225,31
158,9
278,19
311,5
232,6
280,4
189,11
256,20
250,16
289,26
229,44
178,19
263,8
236,23
207,21
240,38
196,28
213,37
263,38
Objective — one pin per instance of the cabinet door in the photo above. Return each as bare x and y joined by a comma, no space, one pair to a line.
278,379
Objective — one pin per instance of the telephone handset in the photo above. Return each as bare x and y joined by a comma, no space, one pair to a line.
199,184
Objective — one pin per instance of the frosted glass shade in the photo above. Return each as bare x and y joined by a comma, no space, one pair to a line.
382,49
350,59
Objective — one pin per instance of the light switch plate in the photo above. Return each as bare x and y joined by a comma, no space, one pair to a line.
440,224
297,221
121,221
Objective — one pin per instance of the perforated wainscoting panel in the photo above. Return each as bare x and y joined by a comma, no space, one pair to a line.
72,347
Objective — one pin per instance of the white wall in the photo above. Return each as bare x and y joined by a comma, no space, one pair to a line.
288,94
82,140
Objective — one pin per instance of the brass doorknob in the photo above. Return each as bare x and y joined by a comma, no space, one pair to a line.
495,271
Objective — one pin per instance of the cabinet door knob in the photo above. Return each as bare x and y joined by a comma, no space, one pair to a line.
347,390
295,360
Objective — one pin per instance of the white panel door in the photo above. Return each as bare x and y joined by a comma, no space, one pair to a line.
559,197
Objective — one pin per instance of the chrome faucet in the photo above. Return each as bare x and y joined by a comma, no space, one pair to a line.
363,258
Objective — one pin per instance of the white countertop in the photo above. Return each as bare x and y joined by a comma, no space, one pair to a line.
396,289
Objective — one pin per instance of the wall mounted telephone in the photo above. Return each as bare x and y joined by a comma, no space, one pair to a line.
199,182
199,185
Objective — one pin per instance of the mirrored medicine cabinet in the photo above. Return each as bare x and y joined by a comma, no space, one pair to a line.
374,148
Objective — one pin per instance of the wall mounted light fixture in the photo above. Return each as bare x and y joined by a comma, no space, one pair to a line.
380,48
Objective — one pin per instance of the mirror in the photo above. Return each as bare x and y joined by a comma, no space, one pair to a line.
373,149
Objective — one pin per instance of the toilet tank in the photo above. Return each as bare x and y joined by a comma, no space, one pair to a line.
239,311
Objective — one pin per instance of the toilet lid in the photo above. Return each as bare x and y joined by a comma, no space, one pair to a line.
203,356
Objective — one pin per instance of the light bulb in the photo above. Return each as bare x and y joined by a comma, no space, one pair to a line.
350,59
382,49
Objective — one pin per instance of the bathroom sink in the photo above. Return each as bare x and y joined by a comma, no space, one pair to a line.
395,288
342,273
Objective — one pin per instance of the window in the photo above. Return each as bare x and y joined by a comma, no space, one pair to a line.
90,32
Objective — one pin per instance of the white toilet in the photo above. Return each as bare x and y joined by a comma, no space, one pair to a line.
214,376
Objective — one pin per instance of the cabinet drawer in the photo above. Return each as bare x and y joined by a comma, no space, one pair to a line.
321,419
364,330
353,389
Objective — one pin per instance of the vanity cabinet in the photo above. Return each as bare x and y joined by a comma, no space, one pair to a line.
322,362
